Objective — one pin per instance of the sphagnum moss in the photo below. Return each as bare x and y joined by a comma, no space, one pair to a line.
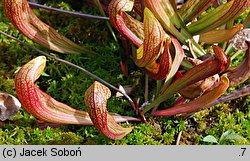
68,85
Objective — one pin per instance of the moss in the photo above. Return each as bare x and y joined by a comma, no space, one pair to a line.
68,85
223,117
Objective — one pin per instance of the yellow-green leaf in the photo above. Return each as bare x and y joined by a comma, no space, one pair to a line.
193,8
219,16
220,35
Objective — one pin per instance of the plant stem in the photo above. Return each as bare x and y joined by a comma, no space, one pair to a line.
146,88
229,49
158,87
157,93
235,54
97,2
178,138
70,12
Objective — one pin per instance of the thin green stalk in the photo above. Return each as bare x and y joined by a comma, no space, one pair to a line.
229,25
229,49
158,87
235,55
98,4
224,45
199,51
146,88
187,65
158,90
